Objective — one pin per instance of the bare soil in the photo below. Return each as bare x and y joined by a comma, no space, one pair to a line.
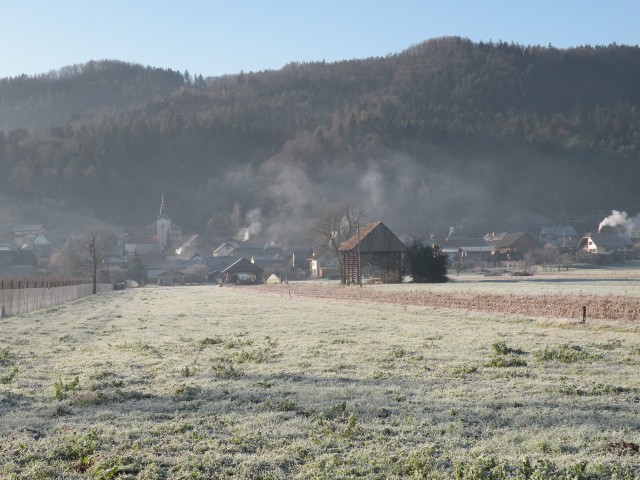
611,307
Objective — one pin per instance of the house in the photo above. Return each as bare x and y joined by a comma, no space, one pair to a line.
299,258
216,265
225,249
323,266
258,250
467,249
609,245
142,244
243,272
136,239
494,236
177,277
560,236
374,249
29,234
147,259
513,246
18,263
194,265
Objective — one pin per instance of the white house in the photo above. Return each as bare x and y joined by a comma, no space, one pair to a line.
605,243
27,234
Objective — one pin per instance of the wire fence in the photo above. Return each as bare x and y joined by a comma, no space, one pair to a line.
23,296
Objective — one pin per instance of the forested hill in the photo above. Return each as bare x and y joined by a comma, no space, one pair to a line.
55,98
448,132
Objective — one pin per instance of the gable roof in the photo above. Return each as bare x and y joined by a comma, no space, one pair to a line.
224,249
509,239
389,242
218,264
176,263
148,258
607,239
35,228
494,236
243,266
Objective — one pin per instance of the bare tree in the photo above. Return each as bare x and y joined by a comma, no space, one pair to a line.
75,256
336,223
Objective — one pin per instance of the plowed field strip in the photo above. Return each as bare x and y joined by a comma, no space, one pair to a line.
620,308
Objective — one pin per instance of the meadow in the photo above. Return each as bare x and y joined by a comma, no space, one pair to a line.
210,382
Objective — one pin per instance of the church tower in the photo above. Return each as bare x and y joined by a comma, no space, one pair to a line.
163,226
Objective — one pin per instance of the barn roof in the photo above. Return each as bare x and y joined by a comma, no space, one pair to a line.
243,266
390,242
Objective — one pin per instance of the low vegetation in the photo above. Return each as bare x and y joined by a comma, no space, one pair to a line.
207,382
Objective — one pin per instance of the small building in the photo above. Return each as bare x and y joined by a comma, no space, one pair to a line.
374,247
273,280
243,272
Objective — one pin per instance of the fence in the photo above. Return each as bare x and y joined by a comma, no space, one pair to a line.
23,296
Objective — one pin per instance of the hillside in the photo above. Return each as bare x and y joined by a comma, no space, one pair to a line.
73,92
448,132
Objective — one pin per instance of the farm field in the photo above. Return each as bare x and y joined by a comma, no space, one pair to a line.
317,381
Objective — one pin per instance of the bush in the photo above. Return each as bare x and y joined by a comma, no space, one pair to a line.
427,264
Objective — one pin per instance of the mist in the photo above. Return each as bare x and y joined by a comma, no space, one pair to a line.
412,195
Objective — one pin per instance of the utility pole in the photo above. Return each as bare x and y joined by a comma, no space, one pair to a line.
92,249
359,273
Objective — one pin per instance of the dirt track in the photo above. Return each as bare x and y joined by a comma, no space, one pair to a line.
619,308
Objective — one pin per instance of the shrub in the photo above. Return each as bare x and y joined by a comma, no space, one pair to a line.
427,264
501,348
506,361
207,341
564,353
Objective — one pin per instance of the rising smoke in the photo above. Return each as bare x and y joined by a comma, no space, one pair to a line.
413,194
621,221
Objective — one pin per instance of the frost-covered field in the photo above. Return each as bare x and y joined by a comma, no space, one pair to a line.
206,382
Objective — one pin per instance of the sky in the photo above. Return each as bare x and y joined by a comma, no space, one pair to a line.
216,37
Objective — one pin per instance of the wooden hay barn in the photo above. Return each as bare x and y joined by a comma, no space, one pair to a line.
373,246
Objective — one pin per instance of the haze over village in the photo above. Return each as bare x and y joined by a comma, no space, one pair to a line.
346,240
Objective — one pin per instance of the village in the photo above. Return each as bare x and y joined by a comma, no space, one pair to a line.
161,253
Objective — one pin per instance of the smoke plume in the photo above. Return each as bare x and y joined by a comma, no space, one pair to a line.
621,220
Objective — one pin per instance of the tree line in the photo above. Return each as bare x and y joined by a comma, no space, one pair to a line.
498,110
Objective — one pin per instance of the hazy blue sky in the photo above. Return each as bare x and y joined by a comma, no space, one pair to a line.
219,37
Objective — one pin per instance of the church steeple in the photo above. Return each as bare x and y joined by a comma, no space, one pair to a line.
161,206
163,226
